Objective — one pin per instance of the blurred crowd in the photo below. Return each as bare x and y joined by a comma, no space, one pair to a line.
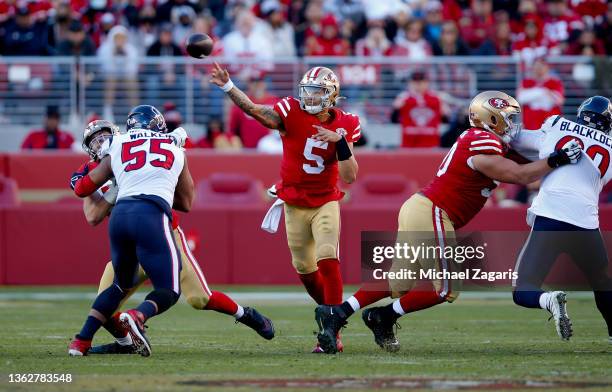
268,29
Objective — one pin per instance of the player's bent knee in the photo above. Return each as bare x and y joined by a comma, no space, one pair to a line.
303,268
198,302
163,298
326,251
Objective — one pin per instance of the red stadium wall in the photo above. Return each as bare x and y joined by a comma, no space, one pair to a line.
51,170
52,244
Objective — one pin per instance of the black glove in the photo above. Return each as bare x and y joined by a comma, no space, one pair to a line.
569,153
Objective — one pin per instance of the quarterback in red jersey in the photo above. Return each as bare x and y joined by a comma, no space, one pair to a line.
317,150
193,283
459,190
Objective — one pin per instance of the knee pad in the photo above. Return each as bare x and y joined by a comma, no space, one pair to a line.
198,302
163,298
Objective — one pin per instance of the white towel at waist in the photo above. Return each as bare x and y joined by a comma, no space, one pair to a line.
272,218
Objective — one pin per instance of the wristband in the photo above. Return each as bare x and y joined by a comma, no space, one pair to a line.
85,186
227,86
111,194
343,150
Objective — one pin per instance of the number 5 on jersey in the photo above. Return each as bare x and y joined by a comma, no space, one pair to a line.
311,156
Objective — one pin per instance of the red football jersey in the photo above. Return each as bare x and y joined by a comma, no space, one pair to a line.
420,117
560,28
457,188
309,169
535,113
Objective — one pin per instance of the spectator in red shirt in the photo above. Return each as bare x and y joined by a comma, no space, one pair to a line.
51,137
477,24
534,44
561,24
419,112
590,8
328,43
375,43
249,130
540,95
413,45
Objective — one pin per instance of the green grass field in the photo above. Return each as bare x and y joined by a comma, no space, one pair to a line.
469,343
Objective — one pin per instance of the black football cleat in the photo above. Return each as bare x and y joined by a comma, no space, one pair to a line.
330,320
258,322
113,348
382,328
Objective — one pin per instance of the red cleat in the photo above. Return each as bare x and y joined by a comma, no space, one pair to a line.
115,325
79,347
133,321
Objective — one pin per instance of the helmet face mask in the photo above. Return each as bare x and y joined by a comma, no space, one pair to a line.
314,98
95,135
496,112
318,90
514,126
96,142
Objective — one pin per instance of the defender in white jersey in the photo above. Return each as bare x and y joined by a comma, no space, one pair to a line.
564,216
153,177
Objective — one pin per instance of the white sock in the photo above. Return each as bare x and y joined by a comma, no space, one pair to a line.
125,341
397,306
239,313
544,300
354,303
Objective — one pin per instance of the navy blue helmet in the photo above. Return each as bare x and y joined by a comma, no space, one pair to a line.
596,112
146,117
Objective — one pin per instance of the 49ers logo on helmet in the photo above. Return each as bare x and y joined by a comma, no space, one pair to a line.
498,103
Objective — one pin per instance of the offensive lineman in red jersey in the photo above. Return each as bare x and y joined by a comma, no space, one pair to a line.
459,190
317,149
193,283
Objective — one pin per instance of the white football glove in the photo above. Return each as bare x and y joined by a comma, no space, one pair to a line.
573,150
178,136
111,194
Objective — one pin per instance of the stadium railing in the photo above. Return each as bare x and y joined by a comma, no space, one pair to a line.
82,86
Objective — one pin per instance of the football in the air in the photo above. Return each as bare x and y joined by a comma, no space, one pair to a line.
199,45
